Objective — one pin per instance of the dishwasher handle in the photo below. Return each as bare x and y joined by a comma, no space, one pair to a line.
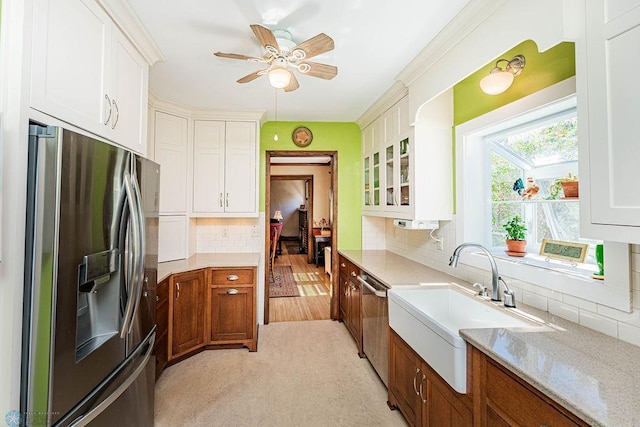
376,292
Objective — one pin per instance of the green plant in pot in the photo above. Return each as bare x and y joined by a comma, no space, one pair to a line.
516,243
569,185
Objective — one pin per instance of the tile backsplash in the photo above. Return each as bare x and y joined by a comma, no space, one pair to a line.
228,235
417,245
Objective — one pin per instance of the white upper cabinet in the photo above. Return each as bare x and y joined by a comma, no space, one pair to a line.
129,90
86,73
607,66
171,147
225,177
208,166
407,172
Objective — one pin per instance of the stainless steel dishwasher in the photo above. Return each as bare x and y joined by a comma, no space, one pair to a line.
375,325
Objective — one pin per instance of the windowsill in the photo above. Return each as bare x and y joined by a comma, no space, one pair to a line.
578,270
535,270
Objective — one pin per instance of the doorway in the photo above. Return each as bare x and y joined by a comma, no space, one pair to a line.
292,171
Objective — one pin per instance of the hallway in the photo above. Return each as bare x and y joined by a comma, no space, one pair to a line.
314,300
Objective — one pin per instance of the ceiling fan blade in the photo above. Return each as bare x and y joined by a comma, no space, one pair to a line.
293,84
265,36
316,45
234,56
252,76
323,71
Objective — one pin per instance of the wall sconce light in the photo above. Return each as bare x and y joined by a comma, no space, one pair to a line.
500,80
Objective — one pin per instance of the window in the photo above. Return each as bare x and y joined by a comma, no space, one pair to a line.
530,158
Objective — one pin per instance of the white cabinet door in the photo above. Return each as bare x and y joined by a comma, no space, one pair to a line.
172,238
71,51
208,166
129,94
240,168
171,154
609,168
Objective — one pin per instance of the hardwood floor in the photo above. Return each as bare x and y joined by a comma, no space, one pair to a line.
314,300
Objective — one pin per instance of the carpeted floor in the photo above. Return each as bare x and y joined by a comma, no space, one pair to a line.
303,374
284,284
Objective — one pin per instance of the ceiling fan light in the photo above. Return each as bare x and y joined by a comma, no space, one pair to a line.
496,82
279,77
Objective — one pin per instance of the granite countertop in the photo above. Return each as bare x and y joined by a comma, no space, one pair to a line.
591,374
198,261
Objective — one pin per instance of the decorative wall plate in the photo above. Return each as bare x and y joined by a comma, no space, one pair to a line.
302,136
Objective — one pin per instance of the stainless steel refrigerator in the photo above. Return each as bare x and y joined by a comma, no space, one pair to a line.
90,283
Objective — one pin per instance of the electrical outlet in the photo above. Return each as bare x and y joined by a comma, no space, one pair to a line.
254,230
225,232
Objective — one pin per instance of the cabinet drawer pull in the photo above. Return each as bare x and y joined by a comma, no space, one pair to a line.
232,277
227,199
220,199
106,97
178,287
343,265
415,379
232,292
353,273
420,391
116,117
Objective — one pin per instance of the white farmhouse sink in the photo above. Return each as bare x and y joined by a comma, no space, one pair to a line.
429,319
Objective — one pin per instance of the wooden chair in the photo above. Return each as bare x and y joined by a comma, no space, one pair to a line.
276,230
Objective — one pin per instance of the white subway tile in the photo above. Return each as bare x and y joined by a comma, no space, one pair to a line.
535,300
628,333
580,303
564,310
599,323
635,262
632,318
549,293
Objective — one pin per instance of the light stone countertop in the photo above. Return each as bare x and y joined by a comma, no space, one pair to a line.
595,376
198,261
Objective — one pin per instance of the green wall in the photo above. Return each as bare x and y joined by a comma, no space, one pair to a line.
345,138
542,69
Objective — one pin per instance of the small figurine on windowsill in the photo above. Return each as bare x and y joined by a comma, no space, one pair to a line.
531,190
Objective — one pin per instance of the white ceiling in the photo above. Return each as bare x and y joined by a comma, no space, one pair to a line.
374,41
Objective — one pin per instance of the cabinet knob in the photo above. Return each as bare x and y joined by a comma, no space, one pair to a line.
343,265
353,274
157,298
232,292
232,277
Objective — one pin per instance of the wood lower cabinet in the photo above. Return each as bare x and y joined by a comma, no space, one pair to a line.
187,311
504,399
422,396
161,349
350,301
232,307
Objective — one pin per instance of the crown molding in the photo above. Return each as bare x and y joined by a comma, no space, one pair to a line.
390,97
129,23
466,21
157,103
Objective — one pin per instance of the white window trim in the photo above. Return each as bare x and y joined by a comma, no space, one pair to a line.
614,291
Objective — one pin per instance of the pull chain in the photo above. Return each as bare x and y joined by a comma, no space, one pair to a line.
275,137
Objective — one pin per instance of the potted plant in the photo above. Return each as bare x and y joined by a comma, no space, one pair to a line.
516,243
569,184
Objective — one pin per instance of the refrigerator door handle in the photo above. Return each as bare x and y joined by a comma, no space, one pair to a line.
140,249
102,406
132,287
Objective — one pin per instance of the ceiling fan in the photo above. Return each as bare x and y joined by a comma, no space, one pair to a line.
281,55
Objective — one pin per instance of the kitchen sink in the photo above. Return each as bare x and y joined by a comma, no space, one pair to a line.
430,317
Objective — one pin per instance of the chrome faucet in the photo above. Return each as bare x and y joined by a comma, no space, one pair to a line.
495,278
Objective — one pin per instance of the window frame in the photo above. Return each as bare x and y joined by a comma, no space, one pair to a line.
472,194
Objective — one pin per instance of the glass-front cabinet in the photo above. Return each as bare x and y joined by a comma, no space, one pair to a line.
397,177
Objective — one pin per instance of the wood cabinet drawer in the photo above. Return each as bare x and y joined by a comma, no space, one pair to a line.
233,276
510,400
348,268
